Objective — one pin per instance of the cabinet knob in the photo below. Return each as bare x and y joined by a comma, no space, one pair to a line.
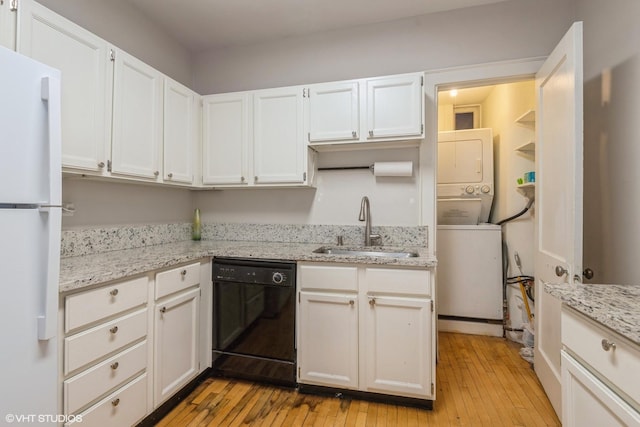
169,175
101,165
183,273
371,133
561,271
354,134
113,330
242,179
607,345
255,178
114,292
372,302
352,303
115,365
156,173
116,401
163,310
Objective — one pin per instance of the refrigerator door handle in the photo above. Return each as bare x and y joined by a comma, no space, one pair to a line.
48,320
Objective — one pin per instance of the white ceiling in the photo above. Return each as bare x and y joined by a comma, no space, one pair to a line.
465,96
207,24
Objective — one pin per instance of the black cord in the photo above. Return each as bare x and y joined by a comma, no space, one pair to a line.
519,214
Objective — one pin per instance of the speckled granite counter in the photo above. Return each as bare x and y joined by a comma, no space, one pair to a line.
616,307
82,271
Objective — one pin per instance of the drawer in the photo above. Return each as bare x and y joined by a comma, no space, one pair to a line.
124,407
398,281
328,277
90,306
108,375
176,279
617,366
87,346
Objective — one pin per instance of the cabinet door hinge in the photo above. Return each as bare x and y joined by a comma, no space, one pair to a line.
432,388
309,136
304,92
112,54
422,128
299,372
108,165
299,297
304,176
421,80
432,306
13,5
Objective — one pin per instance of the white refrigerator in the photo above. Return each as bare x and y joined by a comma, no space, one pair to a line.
30,221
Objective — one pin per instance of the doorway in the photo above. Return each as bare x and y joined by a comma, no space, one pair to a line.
473,251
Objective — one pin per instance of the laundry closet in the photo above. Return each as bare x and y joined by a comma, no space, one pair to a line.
486,164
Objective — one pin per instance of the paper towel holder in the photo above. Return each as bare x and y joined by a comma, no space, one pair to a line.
371,168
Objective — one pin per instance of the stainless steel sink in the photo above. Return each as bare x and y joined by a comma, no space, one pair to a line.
332,250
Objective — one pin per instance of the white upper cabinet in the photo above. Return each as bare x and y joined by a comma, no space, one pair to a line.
137,118
225,146
181,118
365,110
334,112
394,106
8,24
278,141
87,74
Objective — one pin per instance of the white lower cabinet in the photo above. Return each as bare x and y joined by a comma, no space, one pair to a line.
176,343
130,345
397,346
366,328
331,357
599,381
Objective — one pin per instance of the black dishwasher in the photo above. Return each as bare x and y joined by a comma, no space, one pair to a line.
254,319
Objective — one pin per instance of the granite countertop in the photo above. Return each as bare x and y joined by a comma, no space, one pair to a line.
82,271
616,307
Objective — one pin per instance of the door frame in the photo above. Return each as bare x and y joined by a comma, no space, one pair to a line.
465,76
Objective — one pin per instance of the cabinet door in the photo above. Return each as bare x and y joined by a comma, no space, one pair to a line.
279,146
586,401
394,106
334,112
87,75
328,339
180,132
397,350
137,118
8,18
225,139
176,344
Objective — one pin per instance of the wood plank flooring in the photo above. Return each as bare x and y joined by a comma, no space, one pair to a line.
481,381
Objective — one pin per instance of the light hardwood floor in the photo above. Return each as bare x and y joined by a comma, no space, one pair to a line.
481,381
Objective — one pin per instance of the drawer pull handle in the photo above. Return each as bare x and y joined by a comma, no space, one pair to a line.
115,365
116,401
608,345
114,292
113,330
163,310
183,273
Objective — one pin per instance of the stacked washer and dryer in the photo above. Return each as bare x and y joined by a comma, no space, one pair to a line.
469,249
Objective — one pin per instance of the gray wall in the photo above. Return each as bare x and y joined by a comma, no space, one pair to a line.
611,139
506,30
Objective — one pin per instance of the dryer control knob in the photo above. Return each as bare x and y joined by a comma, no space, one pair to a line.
469,189
485,189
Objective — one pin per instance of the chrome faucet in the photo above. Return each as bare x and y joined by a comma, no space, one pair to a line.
365,215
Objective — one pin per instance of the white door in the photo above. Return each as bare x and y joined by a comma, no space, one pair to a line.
558,256
397,350
87,75
180,132
328,339
225,138
334,112
177,343
137,118
279,146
